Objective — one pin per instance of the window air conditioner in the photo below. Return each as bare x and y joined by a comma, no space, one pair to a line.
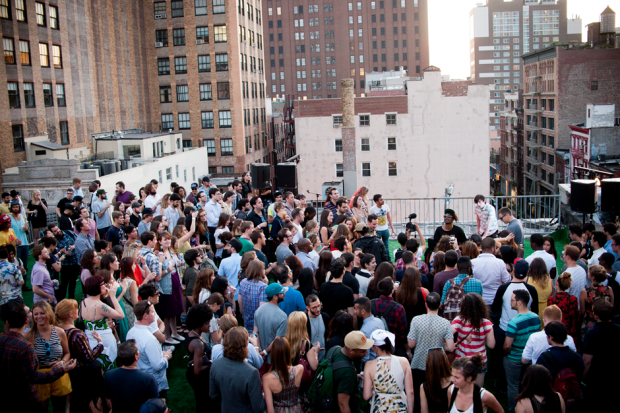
159,44
200,41
160,16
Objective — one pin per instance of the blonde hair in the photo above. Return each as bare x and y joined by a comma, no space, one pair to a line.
65,307
49,312
342,231
296,332
130,251
33,192
310,225
227,322
164,201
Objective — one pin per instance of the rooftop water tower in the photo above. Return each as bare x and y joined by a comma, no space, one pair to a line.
608,21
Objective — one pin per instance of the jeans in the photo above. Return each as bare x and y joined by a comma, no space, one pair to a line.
513,378
497,357
22,254
418,377
385,237
68,278
102,232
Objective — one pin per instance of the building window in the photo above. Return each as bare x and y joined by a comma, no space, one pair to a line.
225,121
182,93
390,118
56,56
180,65
338,145
223,91
53,17
594,85
366,169
29,95
9,50
205,91
364,120
20,10
178,37
163,66
161,36
392,170
177,8
13,95
64,132
60,95
159,8
365,144
24,52
202,33
337,120
184,122
219,6
220,34
226,146
207,122
228,169
167,121
391,144
221,62
339,170
204,63
48,97
44,54
210,145
18,138
201,7
40,10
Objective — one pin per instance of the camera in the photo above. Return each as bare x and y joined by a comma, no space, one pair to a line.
410,226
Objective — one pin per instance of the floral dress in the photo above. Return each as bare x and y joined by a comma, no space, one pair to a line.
287,401
570,311
388,387
107,358
593,293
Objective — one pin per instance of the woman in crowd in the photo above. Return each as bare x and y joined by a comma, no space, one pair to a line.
118,251
306,282
549,246
439,265
444,245
278,222
317,247
302,350
505,238
220,285
252,292
130,298
165,201
88,371
470,249
201,228
109,263
311,227
184,235
143,195
434,391
538,395
140,275
325,225
52,349
339,326
119,206
222,226
171,299
567,303
295,265
320,276
198,322
90,259
411,295
227,201
362,192
473,330
37,214
228,322
96,314
157,227
358,209
387,379
508,254
246,185
384,270
202,287
281,383
538,277
598,275
341,232
246,259
465,394
180,191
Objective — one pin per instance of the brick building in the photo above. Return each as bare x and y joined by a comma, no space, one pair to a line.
76,68
511,138
559,82
310,47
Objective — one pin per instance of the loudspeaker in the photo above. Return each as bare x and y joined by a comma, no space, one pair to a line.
260,175
583,195
287,175
610,194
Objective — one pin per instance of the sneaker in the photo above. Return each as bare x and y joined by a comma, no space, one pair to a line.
179,338
26,289
166,348
172,342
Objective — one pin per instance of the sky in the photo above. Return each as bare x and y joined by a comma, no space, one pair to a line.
449,31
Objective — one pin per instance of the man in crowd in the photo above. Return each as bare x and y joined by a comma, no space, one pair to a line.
514,225
393,313
373,222
11,284
69,213
149,240
370,244
42,287
203,199
293,300
489,270
289,204
598,243
214,210
537,343
230,267
559,356
127,387
412,245
257,217
334,294
77,187
368,263
367,322
153,200
193,196
236,188
134,218
283,250
610,230
174,211
277,197
122,195
342,208
145,223
317,324
116,235
451,258
101,209
151,358
332,196
92,188
408,259
348,279
346,386
384,224
448,228
269,319
578,275
206,184
84,240
246,229
486,221
70,265
297,216
5,206
243,209
19,224
464,265
536,243
304,247
258,240
518,330
62,204
193,260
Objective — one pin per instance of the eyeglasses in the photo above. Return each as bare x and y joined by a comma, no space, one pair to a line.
435,348
501,217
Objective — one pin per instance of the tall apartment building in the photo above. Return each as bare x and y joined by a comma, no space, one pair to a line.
501,31
311,45
74,68
511,150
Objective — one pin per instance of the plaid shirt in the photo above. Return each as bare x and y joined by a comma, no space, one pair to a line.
472,286
151,260
19,366
66,242
396,319
400,265
252,293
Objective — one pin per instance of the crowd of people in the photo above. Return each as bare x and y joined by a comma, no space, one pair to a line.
284,307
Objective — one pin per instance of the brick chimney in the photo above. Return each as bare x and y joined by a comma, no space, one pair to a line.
348,137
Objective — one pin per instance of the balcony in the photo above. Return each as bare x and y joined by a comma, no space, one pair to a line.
533,126
533,160
533,74
534,108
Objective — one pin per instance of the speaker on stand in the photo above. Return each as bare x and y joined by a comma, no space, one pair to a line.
583,196
260,175
286,175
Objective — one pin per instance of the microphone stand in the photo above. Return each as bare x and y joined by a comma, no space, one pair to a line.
317,197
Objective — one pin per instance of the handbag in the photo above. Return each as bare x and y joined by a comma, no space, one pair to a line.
452,354
79,323
307,376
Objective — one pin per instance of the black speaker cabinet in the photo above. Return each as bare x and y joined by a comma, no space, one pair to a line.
610,194
260,175
582,195
287,175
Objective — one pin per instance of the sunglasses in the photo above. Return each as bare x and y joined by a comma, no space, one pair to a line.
435,348
447,216
48,350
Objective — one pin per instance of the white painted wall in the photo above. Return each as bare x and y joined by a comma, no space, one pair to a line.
481,22
146,144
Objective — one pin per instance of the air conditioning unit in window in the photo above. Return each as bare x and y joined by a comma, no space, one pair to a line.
260,71
245,41
253,44
250,150
159,44
160,16
200,41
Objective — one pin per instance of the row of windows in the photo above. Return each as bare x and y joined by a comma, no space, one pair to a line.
202,36
21,14
226,148
204,64
256,40
250,9
390,119
255,118
18,136
29,100
366,169
24,53
176,8
258,90
167,120
248,143
365,144
165,92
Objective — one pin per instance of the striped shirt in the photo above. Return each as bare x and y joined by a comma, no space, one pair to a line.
520,328
470,344
48,351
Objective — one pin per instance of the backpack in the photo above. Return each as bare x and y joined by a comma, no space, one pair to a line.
454,297
321,392
476,396
565,382
375,312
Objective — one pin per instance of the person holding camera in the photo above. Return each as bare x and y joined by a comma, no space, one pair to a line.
448,228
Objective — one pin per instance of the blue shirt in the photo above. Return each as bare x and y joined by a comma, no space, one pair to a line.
67,241
10,276
173,216
143,226
151,358
369,325
19,232
82,243
607,247
229,268
293,301
306,261
214,210
472,286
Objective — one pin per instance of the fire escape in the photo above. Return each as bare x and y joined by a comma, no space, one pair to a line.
578,151
289,127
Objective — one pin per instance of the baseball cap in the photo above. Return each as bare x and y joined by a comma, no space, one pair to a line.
154,406
147,211
135,205
360,227
4,218
13,192
100,191
194,185
274,289
521,268
206,179
275,194
356,340
14,203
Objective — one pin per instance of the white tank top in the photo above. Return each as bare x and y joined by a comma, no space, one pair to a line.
470,409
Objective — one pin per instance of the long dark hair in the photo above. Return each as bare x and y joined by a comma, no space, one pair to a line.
552,250
340,325
281,359
325,262
323,221
126,268
538,381
295,265
306,282
384,270
437,368
88,260
407,293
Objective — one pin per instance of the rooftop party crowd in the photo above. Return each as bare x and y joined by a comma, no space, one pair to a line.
272,304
